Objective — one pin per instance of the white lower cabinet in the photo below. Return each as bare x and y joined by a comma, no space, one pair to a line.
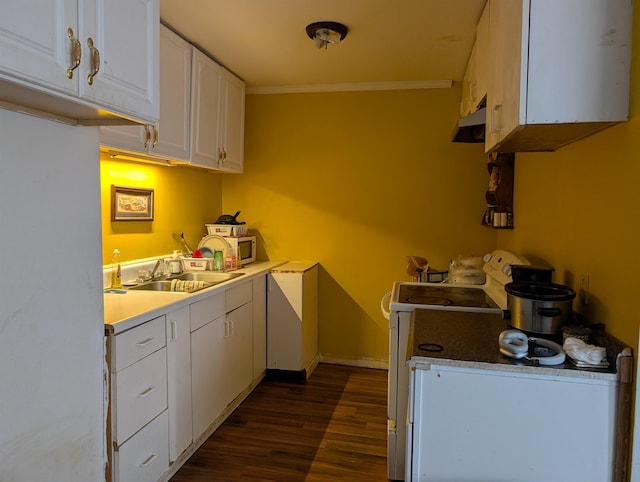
221,353
138,448
174,376
179,381
259,326
145,456
207,355
238,353
473,424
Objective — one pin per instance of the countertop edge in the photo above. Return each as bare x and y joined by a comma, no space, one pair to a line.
150,305
427,363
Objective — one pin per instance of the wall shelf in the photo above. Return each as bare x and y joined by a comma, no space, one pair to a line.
499,195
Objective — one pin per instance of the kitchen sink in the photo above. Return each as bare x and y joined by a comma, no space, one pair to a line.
187,282
213,277
163,285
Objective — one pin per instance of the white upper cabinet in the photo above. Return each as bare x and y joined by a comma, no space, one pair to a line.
36,43
175,97
481,81
81,61
169,138
125,35
232,123
474,83
217,116
555,76
201,113
205,110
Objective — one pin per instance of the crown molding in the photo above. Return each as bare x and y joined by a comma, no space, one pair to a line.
350,87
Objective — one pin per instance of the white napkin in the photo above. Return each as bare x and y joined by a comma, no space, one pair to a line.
580,351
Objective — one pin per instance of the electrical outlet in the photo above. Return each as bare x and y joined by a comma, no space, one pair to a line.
584,289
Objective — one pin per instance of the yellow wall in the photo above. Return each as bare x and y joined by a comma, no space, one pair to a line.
577,208
185,199
358,181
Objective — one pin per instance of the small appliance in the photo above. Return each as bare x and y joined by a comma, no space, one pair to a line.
244,247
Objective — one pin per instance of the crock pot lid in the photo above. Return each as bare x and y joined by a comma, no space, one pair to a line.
540,291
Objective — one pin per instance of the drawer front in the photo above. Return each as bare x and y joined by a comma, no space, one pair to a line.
141,394
137,343
145,457
238,296
206,310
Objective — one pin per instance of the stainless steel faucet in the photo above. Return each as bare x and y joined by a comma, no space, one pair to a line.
159,264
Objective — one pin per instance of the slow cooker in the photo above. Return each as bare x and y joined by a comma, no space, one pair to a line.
538,307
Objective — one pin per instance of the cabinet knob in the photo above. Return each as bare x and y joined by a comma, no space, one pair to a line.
95,61
155,136
76,53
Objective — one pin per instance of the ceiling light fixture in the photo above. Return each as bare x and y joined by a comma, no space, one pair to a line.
325,33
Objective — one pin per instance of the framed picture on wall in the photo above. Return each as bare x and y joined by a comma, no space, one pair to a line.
131,204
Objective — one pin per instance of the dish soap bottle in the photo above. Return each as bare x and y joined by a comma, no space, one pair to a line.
116,279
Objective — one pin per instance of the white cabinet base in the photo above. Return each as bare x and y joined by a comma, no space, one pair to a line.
469,424
292,319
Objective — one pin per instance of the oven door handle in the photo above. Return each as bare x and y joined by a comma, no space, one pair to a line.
384,303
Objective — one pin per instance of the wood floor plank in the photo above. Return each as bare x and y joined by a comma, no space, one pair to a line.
332,428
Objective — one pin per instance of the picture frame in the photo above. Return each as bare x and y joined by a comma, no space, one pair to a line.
131,204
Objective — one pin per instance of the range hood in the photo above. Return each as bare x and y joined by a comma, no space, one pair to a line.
471,127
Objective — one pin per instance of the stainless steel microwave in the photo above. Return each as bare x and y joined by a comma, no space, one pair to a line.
244,247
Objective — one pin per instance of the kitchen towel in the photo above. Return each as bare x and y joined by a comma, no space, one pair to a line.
582,352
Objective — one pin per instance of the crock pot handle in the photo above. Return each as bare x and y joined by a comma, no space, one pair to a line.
385,301
550,312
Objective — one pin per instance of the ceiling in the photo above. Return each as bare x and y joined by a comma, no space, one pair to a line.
389,41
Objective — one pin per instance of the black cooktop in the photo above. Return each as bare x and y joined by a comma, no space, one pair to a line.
445,295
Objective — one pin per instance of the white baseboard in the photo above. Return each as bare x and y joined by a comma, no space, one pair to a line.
355,362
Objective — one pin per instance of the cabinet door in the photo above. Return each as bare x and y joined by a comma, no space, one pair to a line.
466,101
238,353
259,326
232,126
175,97
479,87
179,381
34,43
455,409
574,74
207,359
126,36
205,110
128,138
506,39
169,138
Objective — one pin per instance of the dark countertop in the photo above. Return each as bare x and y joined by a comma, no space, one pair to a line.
471,340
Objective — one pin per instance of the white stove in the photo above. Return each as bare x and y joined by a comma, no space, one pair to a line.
488,297
406,297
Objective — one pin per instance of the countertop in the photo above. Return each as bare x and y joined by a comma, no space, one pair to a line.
472,342
295,267
125,311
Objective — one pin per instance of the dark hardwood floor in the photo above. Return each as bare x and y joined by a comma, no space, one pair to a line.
332,428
